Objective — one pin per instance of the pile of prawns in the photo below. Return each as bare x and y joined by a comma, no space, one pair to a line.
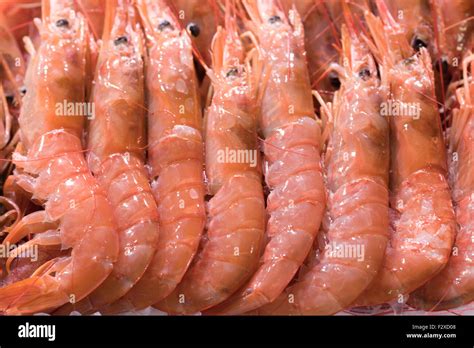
135,207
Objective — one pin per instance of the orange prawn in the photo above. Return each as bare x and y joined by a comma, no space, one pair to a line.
357,167
77,215
116,139
292,157
454,285
232,245
175,155
422,216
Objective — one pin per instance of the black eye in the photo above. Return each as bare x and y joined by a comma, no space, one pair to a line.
193,28
22,90
334,80
364,74
9,99
274,19
232,72
62,23
164,24
120,40
418,43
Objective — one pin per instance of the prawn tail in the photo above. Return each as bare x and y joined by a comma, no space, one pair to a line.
441,305
137,225
139,222
32,295
245,304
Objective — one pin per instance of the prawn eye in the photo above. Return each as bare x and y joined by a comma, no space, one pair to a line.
194,29
364,74
120,40
418,43
334,80
9,98
62,23
164,24
232,72
274,19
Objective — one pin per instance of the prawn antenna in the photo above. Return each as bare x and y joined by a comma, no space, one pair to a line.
87,16
349,20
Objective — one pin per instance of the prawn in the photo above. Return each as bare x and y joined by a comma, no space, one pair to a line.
357,170
175,155
116,141
77,216
232,245
422,216
291,149
454,285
